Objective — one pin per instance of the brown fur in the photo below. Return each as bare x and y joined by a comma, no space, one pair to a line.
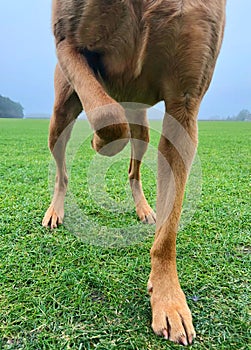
141,51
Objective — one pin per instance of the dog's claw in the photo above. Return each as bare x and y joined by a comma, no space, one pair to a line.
183,341
150,218
190,339
165,334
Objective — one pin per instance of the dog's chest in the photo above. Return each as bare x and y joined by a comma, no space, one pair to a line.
131,72
128,54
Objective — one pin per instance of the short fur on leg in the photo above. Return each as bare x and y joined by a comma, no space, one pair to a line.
141,52
139,129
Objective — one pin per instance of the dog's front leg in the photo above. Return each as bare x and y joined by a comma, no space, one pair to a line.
106,116
171,316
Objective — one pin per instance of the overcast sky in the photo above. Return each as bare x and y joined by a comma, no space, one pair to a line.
27,58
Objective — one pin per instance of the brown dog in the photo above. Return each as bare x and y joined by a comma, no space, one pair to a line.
140,51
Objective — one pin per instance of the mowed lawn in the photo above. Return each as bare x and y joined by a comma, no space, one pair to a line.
59,291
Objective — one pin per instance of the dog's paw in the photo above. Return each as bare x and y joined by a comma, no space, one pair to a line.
111,129
110,147
171,317
52,218
146,214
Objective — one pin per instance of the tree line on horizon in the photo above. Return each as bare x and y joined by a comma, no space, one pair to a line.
243,115
10,109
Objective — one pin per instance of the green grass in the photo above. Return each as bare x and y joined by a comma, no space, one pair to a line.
57,291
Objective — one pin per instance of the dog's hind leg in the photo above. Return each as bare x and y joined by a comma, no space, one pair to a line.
139,142
66,109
